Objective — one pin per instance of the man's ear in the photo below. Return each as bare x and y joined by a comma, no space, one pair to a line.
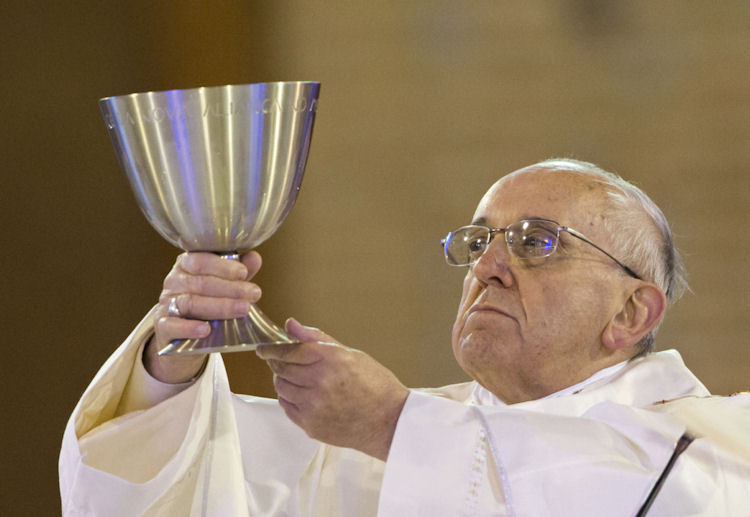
641,312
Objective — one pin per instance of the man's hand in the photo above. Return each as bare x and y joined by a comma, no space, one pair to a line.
205,287
336,394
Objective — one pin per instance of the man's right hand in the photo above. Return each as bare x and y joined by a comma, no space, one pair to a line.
205,287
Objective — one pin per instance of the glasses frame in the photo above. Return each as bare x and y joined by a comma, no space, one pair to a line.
559,228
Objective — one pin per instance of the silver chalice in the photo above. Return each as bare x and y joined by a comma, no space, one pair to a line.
216,169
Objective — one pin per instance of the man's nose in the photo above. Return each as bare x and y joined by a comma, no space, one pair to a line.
493,266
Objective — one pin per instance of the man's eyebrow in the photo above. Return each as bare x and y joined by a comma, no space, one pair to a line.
483,221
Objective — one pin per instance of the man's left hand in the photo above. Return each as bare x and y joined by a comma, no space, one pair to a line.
338,395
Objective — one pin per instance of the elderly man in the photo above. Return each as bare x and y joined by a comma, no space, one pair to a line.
570,271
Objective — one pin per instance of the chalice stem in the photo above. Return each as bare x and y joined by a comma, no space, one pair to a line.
235,335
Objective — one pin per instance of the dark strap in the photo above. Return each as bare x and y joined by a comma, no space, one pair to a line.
682,444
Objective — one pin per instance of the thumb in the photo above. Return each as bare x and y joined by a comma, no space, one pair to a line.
303,333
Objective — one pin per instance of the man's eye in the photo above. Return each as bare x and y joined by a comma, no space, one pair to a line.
538,243
475,245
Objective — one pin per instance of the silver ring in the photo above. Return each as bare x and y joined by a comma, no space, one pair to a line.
173,310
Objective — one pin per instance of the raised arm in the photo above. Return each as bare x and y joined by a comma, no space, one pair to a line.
141,444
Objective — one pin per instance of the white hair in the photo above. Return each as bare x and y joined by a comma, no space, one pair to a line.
644,239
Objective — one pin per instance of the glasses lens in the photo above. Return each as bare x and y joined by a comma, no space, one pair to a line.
465,245
532,239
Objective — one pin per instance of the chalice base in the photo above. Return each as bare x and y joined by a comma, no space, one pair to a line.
236,335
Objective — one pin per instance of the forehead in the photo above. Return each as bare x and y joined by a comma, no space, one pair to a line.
569,197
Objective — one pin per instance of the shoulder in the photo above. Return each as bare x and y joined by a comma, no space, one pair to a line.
721,420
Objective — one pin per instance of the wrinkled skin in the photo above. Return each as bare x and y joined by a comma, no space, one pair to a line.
337,394
528,328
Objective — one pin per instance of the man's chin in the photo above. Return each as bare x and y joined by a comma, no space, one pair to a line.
487,326
476,345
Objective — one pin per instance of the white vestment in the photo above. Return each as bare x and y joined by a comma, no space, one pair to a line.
594,449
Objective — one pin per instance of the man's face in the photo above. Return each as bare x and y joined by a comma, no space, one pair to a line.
528,328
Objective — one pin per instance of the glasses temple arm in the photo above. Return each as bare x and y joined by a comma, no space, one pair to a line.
584,239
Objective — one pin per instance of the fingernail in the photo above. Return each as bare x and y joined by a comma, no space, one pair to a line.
255,292
204,329
297,329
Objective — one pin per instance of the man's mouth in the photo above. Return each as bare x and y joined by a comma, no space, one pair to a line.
485,307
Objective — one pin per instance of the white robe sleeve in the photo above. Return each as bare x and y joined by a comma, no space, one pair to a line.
449,458
183,455
144,391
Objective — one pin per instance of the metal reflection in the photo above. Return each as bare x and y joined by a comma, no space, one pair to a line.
216,169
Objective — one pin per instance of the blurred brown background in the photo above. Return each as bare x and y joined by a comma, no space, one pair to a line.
423,105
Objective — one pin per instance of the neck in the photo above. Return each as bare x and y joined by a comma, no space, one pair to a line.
561,378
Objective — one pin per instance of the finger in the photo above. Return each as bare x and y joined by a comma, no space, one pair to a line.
201,263
304,333
289,391
194,306
206,285
299,375
252,261
292,411
168,329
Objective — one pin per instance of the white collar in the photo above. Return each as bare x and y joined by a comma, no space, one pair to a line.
639,382
481,396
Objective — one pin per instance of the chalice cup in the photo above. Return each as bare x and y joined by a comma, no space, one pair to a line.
216,169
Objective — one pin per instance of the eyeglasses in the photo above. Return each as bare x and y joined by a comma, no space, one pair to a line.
526,239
